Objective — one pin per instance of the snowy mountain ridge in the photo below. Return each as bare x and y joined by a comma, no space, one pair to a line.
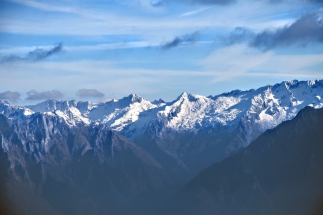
256,110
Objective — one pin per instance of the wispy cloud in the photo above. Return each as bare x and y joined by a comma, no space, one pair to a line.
228,2
152,26
190,13
157,3
45,7
305,30
36,55
111,46
11,96
89,93
210,2
309,1
187,38
233,61
238,35
250,62
96,47
34,95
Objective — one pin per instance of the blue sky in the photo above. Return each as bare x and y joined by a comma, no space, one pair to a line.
98,50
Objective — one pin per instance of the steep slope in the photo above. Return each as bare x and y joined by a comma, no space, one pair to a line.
191,132
281,172
76,170
194,131
197,131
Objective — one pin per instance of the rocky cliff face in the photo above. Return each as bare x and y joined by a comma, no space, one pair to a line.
76,170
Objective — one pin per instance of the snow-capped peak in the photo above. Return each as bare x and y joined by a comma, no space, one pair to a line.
257,109
72,112
134,98
120,113
14,112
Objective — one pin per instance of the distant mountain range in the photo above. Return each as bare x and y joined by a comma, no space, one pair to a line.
128,156
192,131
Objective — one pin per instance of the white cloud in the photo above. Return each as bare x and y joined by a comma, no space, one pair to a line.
45,7
233,61
231,64
68,77
155,26
238,61
190,13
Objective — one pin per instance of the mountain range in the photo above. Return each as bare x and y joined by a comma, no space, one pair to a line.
192,131
129,155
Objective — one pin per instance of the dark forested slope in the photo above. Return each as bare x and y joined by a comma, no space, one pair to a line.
281,172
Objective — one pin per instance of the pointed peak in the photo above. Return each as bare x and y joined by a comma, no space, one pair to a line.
133,98
133,95
183,95
187,96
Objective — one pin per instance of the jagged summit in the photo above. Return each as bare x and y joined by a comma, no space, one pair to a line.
14,112
133,98
51,105
184,95
256,110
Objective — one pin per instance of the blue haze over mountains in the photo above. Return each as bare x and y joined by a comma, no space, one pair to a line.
129,156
